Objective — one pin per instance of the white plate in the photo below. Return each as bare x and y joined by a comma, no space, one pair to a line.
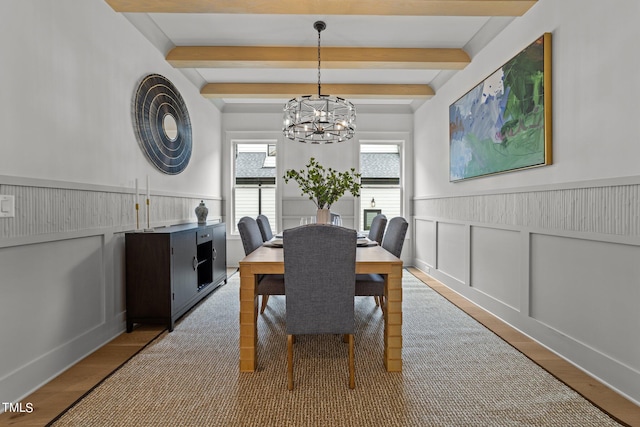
363,241
274,242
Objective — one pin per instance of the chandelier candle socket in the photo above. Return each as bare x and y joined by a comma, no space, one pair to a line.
319,119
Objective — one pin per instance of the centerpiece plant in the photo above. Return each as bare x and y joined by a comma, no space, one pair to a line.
324,186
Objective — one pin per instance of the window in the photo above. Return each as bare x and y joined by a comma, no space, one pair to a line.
255,180
381,169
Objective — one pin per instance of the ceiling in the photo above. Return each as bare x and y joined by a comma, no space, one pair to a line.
383,55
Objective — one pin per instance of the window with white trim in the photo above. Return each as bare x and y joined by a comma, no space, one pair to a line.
254,190
381,192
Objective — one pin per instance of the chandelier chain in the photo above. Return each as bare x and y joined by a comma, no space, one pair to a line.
321,119
319,62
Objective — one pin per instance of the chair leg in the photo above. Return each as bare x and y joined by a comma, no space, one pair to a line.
290,361
352,367
377,300
265,298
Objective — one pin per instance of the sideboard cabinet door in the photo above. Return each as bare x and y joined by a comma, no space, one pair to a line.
183,270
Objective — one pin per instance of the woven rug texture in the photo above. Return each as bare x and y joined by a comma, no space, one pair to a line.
455,373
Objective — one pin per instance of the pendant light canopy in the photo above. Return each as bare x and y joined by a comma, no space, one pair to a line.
319,119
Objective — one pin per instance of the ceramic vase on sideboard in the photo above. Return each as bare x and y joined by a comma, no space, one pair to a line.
201,213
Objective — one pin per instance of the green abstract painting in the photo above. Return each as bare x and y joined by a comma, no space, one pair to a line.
504,123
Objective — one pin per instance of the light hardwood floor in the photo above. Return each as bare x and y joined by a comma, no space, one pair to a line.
59,394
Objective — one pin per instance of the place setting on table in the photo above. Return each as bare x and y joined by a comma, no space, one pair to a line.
277,241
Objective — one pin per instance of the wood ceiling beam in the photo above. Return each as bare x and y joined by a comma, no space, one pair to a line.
307,57
291,90
331,7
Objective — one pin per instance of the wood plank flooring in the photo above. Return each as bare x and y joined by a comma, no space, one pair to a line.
56,396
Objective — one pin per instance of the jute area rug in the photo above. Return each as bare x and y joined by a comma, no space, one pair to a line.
455,373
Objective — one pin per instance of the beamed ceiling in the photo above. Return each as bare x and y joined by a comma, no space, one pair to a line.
391,54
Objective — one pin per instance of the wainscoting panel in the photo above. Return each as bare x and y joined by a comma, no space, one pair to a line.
495,264
425,237
560,263
588,290
43,210
607,209
52,294
63,272
453,250
116,273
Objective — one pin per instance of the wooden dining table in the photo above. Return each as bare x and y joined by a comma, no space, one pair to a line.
270,260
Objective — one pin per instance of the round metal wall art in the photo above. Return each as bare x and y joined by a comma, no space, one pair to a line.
162,125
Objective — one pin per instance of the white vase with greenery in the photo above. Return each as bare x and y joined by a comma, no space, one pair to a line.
324,186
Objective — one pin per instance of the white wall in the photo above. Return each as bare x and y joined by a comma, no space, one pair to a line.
594,89
295,155
70,69
69,155
552,250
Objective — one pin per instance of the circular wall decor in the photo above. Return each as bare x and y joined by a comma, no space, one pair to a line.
162,125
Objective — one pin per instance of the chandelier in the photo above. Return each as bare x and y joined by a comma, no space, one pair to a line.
319,119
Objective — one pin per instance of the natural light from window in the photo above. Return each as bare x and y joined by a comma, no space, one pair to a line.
381,169
255,181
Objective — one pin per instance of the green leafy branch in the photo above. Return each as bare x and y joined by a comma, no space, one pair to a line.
324,186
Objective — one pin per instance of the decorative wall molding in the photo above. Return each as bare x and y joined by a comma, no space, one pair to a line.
525,255
70,212
603,209
547,286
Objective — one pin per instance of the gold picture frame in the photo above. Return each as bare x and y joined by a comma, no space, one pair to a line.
504,123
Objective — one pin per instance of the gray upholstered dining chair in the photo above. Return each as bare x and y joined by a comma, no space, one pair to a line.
376,230
265,227
320,265
268,284
393,240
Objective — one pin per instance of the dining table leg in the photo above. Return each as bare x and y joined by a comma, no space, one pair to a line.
248,320
393,320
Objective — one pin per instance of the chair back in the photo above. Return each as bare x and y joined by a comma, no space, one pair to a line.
250,234
265,227
376,231
319,279
394,237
